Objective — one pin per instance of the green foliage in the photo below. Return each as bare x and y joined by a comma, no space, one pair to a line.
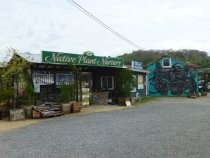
17,66
13,69
66,92
29,94
147,99
77,81
125,82
6,93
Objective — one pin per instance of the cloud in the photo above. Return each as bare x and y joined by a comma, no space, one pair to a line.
186,44
187,11
116,51
34,25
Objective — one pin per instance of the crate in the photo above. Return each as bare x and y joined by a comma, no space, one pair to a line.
76,107
66,108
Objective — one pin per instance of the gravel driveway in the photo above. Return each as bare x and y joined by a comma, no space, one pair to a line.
164,128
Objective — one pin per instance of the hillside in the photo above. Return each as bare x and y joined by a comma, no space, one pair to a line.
200,58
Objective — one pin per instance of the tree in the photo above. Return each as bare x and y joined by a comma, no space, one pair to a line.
15,71
147,56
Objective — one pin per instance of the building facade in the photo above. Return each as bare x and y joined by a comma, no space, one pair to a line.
97,79
171,77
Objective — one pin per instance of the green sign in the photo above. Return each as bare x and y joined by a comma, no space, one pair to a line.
87,58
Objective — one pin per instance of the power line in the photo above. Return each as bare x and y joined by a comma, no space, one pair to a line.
102,23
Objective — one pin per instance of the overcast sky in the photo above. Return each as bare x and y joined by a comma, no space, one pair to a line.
56,25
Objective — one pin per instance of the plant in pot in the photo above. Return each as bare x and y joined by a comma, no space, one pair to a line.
29,99
65,97
125,83
76,105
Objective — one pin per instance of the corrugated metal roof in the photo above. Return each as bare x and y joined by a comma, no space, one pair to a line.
32,58
135,70
143,71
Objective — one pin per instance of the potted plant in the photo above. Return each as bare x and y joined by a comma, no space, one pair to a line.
28,97
65,98
76,105
125,83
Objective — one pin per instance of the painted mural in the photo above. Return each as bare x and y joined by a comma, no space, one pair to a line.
177,80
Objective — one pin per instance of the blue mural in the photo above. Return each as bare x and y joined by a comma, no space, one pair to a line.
179,79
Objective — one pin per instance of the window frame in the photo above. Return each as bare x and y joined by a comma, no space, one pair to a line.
169,63
107,81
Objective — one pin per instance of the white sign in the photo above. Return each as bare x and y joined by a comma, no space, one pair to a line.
128,103
37,88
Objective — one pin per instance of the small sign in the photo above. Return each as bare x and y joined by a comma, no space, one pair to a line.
128,103
37,88
136,65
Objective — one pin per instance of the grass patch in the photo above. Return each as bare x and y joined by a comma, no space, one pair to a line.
145,100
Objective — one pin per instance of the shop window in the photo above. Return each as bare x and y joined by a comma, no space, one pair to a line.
64,78
166,62
43,78
107,82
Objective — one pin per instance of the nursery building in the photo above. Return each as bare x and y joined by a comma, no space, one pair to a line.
96,76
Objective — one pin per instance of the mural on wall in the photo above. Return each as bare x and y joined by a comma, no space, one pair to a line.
177,80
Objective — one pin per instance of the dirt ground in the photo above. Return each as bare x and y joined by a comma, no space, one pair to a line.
6,125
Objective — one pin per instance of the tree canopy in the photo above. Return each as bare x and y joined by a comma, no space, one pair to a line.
197,57
13,73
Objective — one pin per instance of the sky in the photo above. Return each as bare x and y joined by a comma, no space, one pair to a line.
57,25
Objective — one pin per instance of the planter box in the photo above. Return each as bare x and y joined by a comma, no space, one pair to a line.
122,100
28,112
66,108
35,114
76,107
204,93
100,98
16,114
